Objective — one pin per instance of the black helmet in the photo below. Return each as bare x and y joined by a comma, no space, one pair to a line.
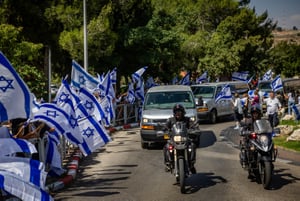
178,107
255,108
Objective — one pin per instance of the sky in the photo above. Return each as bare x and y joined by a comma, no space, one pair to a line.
285,12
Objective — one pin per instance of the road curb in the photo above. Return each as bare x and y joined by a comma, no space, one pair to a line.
73,165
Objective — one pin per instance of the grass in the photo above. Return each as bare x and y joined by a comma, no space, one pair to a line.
281,140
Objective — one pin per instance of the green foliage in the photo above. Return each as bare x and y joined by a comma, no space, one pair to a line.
285,59
282,142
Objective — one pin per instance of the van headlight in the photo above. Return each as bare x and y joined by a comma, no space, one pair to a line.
193,118
145,120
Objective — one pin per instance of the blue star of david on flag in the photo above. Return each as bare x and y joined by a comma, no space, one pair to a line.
4,81
63,97
73,121
89,105
81,80
51,113
88,132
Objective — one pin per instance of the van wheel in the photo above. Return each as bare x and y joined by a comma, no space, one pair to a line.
213,117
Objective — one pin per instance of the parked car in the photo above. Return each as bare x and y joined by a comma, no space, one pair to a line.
158,107
205,94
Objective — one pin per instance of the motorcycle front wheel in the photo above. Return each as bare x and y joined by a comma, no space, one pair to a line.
265,170
181,175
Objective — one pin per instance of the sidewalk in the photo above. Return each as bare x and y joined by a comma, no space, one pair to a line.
73,163
289,156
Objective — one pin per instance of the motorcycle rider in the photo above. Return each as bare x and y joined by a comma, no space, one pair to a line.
179,115
256,114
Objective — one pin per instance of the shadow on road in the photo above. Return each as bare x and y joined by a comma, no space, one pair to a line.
207,138
202,180
281,178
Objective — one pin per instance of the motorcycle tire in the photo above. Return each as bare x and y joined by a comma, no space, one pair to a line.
181,175
265,171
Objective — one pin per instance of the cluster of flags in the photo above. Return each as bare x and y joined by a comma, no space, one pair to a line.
80,112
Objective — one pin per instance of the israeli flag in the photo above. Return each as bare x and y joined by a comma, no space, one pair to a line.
139,90
113,76
138,74
106,87
91,104
94,135
11,146
240,76
175,80
185,80
268,75
53,157
251,93
150,82
64,123
225,94
16,101
276,84
14,185
28,170
81,78
130,94
107,105
202,78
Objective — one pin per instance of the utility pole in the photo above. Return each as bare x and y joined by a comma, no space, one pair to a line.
85,37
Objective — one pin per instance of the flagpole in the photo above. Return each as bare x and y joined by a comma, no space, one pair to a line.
85,37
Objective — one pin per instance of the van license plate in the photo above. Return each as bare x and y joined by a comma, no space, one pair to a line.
166,136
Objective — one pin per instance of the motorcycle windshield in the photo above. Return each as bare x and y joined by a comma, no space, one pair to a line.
262,126
179,128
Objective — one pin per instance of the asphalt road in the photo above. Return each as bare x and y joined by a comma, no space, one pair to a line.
122,170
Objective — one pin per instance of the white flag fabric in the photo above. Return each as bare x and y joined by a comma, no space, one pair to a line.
106,87
113,76
107,105
16,101
28,170
202,78
91,104
225,94
64,123
11,146
240,76
130,94
276,84
185,80
139,90
138,74
81,78
14,185
268,75
53,157
150,82
94,135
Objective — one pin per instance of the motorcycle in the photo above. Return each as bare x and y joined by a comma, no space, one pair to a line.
180,150
257,152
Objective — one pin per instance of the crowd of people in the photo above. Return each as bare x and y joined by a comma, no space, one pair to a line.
270,105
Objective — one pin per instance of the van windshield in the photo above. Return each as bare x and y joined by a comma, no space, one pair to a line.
167,100
204,91
265,86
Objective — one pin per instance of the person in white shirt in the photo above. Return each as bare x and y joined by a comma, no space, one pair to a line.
273,106
238,110
291,102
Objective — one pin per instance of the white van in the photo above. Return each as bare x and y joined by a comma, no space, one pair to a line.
206,93
158,107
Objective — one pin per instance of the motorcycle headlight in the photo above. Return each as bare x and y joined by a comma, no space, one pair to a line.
264,140
193,118
178,138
